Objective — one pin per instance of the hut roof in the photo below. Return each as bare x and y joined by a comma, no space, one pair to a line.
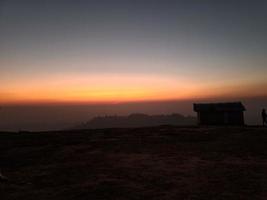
228,106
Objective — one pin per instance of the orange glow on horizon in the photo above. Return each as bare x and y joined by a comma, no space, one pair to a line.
107,88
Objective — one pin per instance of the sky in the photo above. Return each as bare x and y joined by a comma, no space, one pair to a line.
65,61
114,51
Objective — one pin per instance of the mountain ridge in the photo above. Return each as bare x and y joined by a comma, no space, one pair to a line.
137,120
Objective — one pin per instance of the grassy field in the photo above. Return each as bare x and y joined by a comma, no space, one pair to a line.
143,163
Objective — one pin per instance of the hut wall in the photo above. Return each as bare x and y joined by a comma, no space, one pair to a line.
221,118
236,118
211,118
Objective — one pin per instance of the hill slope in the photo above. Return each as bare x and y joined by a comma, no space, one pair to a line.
140,163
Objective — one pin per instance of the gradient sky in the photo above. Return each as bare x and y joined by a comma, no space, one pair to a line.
131,50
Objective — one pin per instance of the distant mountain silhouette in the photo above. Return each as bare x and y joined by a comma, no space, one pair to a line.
138,120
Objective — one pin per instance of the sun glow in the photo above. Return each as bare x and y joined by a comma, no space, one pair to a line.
96,88
107,88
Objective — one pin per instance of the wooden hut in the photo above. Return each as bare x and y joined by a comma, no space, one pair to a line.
231,113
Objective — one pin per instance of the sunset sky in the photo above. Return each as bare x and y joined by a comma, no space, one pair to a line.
131,50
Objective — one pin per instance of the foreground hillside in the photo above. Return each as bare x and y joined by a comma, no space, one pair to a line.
142,163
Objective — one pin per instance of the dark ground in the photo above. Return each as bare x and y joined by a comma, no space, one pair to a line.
141,163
